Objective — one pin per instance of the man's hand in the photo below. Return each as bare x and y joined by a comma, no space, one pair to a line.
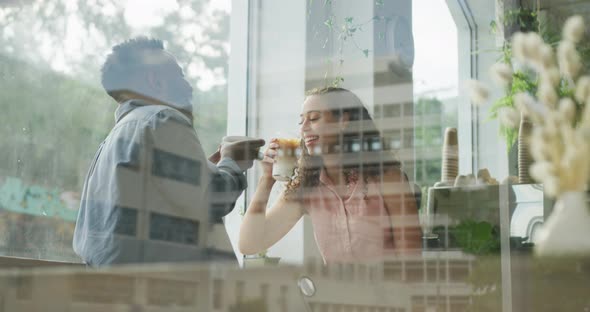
242,152
215,157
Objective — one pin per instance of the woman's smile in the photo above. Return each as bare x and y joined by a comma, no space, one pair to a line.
311,140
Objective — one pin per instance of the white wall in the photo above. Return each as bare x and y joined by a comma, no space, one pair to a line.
491,149
479,142
237,99
277,86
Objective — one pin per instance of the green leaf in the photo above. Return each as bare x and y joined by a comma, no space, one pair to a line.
337,81
379,2
521,82
366,52
348,19
493,27
381,35
476,237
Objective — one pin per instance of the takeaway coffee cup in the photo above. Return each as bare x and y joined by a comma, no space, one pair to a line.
286,159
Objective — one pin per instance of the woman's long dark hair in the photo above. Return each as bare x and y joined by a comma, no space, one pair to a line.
361,145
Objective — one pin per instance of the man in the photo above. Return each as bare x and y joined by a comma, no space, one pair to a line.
151,195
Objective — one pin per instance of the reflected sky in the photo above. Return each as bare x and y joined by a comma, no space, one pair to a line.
73,38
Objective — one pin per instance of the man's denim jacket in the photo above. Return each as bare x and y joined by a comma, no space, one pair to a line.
150,194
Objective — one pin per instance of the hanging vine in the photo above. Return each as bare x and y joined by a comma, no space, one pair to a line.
524,80
345,30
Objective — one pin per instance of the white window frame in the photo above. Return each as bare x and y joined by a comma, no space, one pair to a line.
238,98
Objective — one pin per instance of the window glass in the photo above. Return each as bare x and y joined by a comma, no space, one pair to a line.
395,174
436,84
56,113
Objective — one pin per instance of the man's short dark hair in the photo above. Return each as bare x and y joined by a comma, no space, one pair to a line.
125,60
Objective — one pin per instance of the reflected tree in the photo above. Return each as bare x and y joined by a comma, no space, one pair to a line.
55,112
50,56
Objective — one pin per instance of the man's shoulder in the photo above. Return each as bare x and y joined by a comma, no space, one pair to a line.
154,115
151,112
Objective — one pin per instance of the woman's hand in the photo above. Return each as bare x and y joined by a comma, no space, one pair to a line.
269,158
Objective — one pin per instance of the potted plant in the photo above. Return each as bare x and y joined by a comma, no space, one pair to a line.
560,138
517,79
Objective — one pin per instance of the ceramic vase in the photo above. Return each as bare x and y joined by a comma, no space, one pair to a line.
567,230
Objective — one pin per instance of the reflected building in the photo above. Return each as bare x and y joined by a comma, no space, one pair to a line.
434,281
413,129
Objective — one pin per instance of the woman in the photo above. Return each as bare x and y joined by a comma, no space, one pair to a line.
360,202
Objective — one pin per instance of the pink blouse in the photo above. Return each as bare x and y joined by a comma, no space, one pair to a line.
357,228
